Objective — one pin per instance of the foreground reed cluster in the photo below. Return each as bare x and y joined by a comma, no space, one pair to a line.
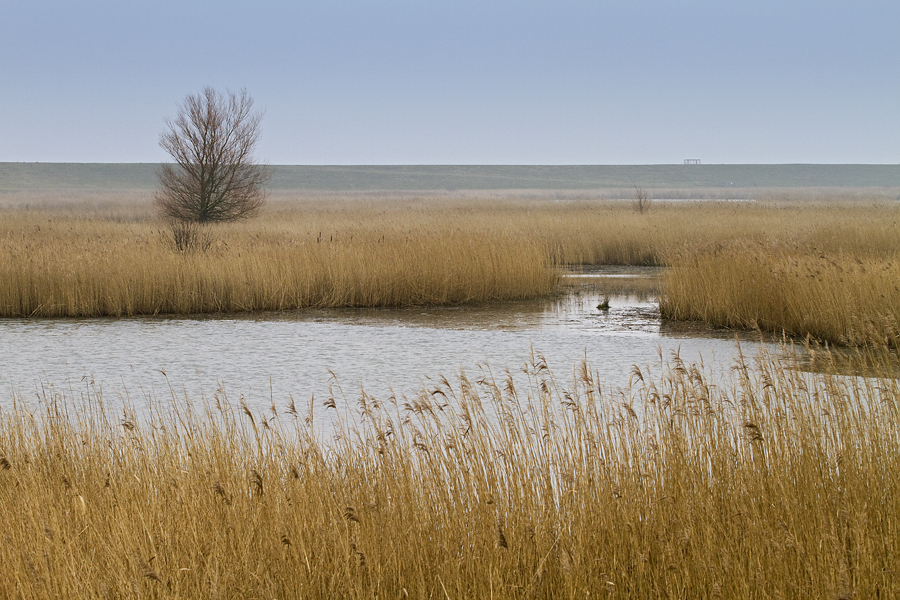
765,483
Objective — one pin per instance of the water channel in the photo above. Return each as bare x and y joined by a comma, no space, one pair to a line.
276,357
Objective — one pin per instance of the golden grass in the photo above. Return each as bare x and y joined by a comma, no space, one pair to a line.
100,258
766,483
840,299
87,267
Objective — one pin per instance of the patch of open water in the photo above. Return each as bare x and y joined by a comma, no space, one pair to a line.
274,357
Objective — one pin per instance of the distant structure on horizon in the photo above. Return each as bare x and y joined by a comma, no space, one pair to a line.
692,161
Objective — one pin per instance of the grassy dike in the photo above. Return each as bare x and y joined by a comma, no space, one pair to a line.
767,482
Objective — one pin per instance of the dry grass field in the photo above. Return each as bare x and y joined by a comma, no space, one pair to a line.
765,483
71,264
819,267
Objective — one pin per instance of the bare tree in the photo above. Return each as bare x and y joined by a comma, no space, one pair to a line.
641,200
214,176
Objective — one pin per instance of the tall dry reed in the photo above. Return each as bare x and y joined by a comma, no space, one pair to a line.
769,482
76,267
835,298
375,251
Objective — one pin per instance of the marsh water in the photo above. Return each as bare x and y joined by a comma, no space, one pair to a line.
275,357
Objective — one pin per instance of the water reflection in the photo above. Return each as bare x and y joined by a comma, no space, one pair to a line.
273,357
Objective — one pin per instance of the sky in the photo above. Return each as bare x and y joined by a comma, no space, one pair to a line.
461,82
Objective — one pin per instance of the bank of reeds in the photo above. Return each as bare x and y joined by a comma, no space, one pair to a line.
374,251
836,298
101,268
767,483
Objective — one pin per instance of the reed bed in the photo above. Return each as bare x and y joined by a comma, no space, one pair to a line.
105,259
840,299
767,482
93,268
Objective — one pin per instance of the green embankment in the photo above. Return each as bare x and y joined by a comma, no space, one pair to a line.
101,177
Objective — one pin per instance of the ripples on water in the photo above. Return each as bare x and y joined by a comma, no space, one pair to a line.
274,357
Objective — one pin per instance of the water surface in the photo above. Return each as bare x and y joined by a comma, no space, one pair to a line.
275,357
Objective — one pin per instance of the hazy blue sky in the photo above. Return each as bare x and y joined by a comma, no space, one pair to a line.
480,82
